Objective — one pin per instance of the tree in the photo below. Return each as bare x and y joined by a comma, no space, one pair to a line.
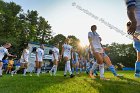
122,53
43,30
19,28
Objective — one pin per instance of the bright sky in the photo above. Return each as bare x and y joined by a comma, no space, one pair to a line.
65,18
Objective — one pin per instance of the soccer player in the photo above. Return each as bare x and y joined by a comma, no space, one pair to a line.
81,59
93,63
66,52
109,64
97,50
75,62
10,65
3,51
133,12
24,60
55,59
39,58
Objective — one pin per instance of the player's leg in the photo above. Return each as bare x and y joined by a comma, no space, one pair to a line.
109,63
7,69
17,69
99,59
69,68
52,69
137,65
94,66
1,65
10,68
136,45
25,69
81,67
73,66
55,68
65,61
77,67
39,68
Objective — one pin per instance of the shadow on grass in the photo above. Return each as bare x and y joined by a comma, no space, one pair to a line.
34,84
121,85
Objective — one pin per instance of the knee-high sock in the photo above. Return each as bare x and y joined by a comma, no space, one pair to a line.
52,68
137,68
65,72
95,72
80,69
0,70
69,67
76,69
55,69
94,66
101,68
17,68
38,71
25,70
112,69
72,69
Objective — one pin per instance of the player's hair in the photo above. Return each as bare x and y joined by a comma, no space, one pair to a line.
9,44
34,49
93,26
25,45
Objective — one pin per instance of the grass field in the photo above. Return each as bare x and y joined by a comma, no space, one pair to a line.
79,84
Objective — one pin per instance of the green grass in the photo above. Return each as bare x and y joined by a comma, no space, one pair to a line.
79,84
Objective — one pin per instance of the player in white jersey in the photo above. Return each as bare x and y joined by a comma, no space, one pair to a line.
95,43
55,59
39,58
133,12
75,61
24,60
66,52
3,51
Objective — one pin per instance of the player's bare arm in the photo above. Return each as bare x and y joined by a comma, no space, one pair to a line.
131,16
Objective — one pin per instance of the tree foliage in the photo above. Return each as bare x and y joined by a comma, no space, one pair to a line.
19,28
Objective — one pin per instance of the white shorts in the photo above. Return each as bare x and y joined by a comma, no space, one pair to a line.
67,55
40,60
54,59
99,50
22,61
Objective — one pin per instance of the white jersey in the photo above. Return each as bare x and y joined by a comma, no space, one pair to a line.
56,54
25,56
3,51
95,39
67,51
96,43
135,3
40,54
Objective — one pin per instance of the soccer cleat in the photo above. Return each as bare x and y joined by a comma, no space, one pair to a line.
50,73
38,74
77,73
71,76
0,75
24,75
137,75
54,74
119,75
12,73
30,74
65,75
91,76
103,78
